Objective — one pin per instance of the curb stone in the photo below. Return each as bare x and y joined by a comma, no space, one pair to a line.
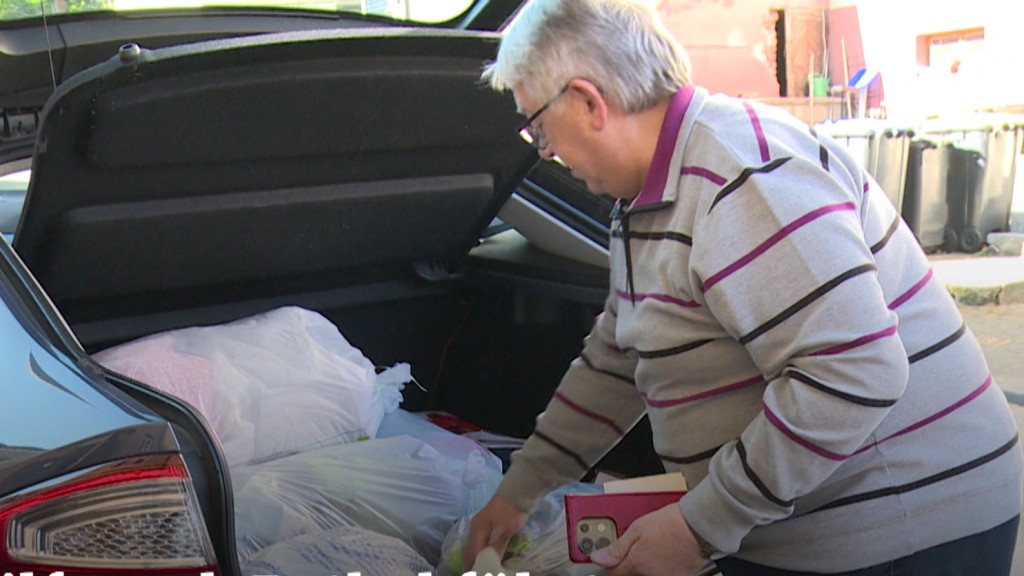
976,295
1012,293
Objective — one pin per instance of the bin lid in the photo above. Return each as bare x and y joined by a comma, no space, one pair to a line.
974,122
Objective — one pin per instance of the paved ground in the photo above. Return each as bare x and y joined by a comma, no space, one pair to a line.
1000,329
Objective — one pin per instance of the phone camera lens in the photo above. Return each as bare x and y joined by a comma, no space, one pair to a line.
586,545
602,542
584,527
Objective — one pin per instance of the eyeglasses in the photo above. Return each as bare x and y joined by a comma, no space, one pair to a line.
534,135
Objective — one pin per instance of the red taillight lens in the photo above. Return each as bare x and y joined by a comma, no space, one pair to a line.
118,519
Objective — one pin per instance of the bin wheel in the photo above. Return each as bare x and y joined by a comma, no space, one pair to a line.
950,241
971,239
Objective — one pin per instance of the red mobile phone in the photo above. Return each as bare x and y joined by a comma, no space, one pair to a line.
594,521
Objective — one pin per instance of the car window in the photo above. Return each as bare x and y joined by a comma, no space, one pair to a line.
12,197
551,185
424,11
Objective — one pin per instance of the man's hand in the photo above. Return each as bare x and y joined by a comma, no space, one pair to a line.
494,525
657,544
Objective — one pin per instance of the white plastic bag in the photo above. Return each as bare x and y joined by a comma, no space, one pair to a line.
338,551
479,469
541,547
400,487
270,385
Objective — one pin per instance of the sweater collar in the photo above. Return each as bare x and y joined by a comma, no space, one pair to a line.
653,191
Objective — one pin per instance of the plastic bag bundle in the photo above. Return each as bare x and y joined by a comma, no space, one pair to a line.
338,551
400,487
461,457
270,385
541,547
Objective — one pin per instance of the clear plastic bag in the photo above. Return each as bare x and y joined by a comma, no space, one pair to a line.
479,469
400,486
270,385
541,547
338,551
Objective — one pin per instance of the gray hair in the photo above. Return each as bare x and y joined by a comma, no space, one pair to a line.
619,45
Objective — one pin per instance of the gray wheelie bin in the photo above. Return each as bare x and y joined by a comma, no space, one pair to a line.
879,146
924,196
892,150
981,170
857,135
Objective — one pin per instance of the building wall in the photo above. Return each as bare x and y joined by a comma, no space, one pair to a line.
732,48
891,31
731,42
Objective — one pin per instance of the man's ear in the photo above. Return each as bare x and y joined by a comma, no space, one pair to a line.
596,106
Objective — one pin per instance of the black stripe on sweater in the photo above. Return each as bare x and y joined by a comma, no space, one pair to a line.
744,176
576,457
673,236
860,400
888,235
806,301
742,451
590,365
692,459
948,340
822,151
918,484
672,351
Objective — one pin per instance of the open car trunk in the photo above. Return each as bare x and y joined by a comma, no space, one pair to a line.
349,173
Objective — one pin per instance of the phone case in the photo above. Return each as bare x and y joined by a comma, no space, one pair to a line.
596,510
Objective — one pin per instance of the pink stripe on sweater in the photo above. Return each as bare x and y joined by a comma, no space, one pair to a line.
773,240
762,142
623,295
857,343
590,414
703,395
703,173
910,293
940,414
824,453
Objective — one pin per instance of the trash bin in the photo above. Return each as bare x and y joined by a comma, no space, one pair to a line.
965,201
981,171
879,146
889,166
857,136
924,196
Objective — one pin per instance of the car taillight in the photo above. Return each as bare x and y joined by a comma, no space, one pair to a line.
118,519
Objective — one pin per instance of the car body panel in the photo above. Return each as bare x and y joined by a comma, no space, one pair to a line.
64,415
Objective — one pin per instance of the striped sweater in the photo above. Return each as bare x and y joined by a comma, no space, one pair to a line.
778,322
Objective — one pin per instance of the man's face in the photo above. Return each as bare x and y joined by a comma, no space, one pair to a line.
561,127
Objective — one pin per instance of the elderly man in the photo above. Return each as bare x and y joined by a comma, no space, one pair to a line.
770,313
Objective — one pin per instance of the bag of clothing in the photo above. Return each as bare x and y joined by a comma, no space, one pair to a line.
338,551
400,486
269,385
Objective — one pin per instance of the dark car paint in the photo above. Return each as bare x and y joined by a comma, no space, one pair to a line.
63,414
